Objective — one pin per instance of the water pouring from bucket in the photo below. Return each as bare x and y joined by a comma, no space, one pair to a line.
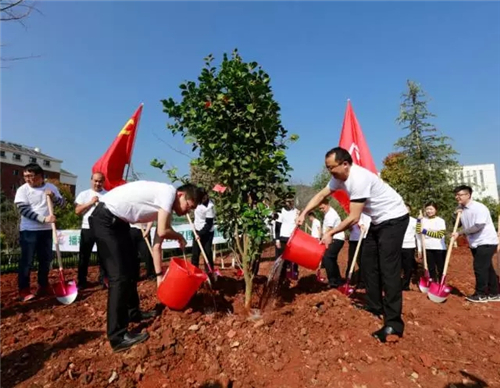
346,288
438,292
65,291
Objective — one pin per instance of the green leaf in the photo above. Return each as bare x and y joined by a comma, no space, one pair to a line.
251,108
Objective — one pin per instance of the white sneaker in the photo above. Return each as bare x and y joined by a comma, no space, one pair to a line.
494,298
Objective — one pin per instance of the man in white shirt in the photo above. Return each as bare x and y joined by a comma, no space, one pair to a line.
85,203
284,227
478,226
134,202
315,226
35,234
204,219
410,243
381,258
330,221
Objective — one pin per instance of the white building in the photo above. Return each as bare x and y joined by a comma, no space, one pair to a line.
481,177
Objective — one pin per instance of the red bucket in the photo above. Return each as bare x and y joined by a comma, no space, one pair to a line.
304,250
179,285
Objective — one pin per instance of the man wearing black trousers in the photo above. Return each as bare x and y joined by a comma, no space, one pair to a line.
204,218
85,203
134,202
381,258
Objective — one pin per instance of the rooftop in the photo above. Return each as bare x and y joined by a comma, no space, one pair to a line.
32,151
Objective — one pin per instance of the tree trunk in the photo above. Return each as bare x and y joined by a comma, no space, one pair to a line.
247,272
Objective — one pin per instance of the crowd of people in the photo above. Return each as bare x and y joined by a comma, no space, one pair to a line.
119,222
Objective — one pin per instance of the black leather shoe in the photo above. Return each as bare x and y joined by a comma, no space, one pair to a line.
363,307
129,340
144,315
386,331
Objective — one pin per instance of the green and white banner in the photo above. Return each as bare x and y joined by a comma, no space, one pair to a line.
69,240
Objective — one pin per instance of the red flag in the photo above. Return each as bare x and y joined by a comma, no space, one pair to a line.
353,140
112,163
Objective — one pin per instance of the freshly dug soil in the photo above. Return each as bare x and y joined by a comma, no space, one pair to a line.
308,337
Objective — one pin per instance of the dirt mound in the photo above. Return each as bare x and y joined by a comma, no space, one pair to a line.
311,337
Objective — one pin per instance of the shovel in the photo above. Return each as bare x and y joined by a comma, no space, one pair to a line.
438,292
346,288
66,292
197,238
425,280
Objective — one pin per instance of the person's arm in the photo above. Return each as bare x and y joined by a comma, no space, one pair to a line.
55,195
355,210
82,208
26,211
164,228
147,231
313,204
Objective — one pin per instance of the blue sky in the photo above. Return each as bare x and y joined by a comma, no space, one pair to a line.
99,60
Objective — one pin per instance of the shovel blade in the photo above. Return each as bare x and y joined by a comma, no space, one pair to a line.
66,292
424,284
438,292
346,288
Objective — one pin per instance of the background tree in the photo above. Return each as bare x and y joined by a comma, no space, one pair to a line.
9,224
425,163
230,117
66,216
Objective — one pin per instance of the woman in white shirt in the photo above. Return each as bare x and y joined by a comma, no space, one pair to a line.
434,230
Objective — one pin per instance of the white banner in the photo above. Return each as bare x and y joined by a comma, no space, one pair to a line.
69,240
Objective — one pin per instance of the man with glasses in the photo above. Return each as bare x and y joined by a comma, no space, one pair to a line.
35,229
135,202
478,226
381,255
85,203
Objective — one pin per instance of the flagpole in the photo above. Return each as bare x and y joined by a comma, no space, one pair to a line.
133,144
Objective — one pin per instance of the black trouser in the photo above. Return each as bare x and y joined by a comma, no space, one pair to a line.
330,262
486,278
39,242
286,263
408,263
142,251
206,240
117,253
87,241
381,263
352,250
435,263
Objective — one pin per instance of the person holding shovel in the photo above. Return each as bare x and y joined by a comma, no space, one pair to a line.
85,202
35,234
433,228
330,258
381,258
204,223
354,236
410,243
478,226
135,202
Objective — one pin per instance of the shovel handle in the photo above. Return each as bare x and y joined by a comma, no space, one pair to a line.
54,232
450,245
356,252
196,237
424,251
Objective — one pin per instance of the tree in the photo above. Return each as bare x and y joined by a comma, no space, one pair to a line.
493,206
319,183
425,163
66,216
9,224
230,116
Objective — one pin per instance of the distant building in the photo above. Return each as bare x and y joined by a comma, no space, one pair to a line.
13,157
481,177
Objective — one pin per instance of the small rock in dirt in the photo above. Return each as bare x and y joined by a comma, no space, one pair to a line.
259,323
344,369
188,311
234,344
426,360
141,352
231,333
138,370
113,377
414,375
194,328
277,366
303,331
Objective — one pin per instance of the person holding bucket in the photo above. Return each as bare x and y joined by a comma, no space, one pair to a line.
134,202
433,228
330,221
478,226
381,257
